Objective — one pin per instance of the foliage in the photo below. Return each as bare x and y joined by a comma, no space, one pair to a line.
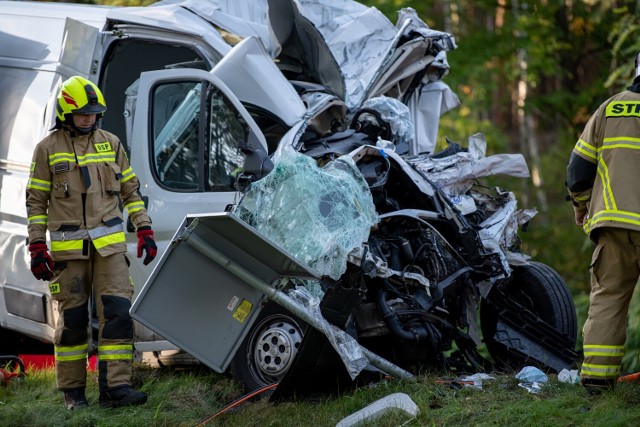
631,360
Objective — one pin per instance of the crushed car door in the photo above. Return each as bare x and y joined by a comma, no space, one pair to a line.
189,134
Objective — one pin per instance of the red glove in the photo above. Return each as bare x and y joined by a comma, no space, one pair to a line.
146,243
41,262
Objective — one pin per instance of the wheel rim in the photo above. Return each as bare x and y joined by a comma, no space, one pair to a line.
274,346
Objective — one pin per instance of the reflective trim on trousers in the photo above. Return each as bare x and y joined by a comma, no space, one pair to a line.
68,354
604,350
115,352
604,371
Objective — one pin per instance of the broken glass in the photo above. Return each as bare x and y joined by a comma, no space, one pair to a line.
317,214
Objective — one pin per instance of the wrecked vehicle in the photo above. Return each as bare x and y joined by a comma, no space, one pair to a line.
211,97
354,231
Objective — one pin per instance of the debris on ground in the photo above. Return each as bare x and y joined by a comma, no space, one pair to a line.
474,381
379,408
532,379
569,376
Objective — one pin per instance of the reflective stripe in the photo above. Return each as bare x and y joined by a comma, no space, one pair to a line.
103,236
134,207
115,352
585,148
38,219
107,156
39,184
111,239
604,350
620,142
600,370
612,215
127,175
61,157
582,199
68,235
67,354
69,245
607,192
96,158
610,212
73,240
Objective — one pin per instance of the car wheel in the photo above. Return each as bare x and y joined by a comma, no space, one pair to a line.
269,349
541,290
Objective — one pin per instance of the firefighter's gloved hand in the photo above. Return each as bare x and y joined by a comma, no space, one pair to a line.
41,262
146,243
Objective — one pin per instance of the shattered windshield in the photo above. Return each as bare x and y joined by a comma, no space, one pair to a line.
318,214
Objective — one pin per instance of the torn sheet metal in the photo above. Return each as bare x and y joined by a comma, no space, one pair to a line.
359,38
427,106
282,29
456,175
352,49
363,41
346,346
318,215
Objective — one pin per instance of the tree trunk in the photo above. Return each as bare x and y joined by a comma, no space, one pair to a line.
526,127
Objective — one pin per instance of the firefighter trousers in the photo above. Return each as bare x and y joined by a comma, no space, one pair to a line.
75,281
615,268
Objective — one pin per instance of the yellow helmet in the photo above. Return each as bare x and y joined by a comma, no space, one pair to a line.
79,95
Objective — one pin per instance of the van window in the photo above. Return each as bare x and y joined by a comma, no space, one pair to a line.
196,137
226,129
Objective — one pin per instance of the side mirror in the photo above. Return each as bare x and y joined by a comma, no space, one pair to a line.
257,163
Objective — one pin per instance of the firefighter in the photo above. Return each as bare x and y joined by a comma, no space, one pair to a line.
80,177
602,179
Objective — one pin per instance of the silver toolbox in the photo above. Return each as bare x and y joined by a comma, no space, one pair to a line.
206,306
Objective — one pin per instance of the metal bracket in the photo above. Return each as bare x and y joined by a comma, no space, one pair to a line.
185,233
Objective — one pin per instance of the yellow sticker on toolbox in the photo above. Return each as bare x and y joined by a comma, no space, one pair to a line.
54,288
243,311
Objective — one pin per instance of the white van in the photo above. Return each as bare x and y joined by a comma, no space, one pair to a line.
263,71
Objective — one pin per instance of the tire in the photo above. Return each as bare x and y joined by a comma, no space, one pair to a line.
268,350
540,289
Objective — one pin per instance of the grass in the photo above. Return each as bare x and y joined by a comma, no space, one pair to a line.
191,397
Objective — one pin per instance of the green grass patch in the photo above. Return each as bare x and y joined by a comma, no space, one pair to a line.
191,397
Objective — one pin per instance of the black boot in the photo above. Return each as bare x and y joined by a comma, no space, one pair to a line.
74,398
596,387
121,396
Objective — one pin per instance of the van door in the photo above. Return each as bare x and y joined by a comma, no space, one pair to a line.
80,52
186,149
81,49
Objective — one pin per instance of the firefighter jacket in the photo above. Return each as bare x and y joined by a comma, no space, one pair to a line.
604,170
77,188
